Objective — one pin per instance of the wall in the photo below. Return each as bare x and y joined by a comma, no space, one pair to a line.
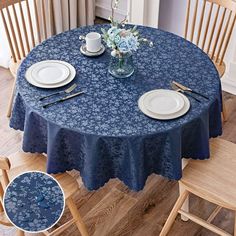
4,50
144,12
103,9
172,16
152,13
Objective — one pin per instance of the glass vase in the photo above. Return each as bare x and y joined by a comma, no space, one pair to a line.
121,66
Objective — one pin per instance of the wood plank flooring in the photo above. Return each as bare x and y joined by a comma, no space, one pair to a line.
114,209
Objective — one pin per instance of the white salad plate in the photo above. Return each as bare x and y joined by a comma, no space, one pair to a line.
174,110
87,53
163,102
50,74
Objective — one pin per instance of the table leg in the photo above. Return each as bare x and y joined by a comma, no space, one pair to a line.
185,206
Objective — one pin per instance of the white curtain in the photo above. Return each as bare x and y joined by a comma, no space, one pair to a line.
67,14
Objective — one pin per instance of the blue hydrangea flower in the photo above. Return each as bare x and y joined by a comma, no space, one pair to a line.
132,42
123,45
121,39
112,32
117,39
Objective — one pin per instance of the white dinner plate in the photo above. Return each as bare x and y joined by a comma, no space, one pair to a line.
163,102
31,79
151,114
50,72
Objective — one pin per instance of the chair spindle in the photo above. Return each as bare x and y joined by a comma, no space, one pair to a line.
8,36
207,26
223,37
194,20
218,34
213,29
24,27
187,19
13,33
227,39
30,23
201,21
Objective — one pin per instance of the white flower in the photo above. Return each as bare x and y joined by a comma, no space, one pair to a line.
132,42
113,53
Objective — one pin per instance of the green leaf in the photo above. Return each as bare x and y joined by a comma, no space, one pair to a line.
103,30
134,29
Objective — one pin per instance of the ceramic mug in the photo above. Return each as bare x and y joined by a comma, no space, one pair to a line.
93,41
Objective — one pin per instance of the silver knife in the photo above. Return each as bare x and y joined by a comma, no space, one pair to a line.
188,89
64,99
177,89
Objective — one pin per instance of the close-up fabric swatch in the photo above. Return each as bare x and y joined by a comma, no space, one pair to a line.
34,201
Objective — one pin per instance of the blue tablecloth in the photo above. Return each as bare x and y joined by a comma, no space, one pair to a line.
103,134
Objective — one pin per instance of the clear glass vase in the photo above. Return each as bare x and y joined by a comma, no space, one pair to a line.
121,66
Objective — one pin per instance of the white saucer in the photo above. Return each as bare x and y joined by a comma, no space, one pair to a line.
85,52
33,81
174,115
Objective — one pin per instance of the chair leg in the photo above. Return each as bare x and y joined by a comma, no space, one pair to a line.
9,109
170,220
1,197
20,233
75,213
224,112
185,205
235,223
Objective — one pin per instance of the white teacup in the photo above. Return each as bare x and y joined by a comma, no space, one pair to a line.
93,42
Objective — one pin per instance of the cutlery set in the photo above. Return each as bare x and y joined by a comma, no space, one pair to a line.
67,91
174,85
187,91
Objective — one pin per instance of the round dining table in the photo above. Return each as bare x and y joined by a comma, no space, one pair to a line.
103,133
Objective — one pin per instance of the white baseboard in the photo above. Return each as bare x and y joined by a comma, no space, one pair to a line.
229,84
105,11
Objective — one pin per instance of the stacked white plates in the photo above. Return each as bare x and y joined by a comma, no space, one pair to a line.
50,74
163,104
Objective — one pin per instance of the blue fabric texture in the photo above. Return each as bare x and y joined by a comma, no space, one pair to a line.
103,134
34,201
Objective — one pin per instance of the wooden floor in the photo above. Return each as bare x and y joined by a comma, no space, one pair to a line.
114,209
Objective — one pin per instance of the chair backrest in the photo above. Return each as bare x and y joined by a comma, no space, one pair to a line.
25,22
209,24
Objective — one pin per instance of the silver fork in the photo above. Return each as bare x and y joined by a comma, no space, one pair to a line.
68,90
177,89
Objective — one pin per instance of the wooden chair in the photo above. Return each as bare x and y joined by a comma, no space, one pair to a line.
213,180
24,31
21,162
209,24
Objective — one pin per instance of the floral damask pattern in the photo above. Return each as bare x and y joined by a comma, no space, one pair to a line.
34,201
103,133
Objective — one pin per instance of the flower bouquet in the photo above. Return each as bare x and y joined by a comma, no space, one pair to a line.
123,43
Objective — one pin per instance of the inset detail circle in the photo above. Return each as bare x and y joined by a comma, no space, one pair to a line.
34,201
